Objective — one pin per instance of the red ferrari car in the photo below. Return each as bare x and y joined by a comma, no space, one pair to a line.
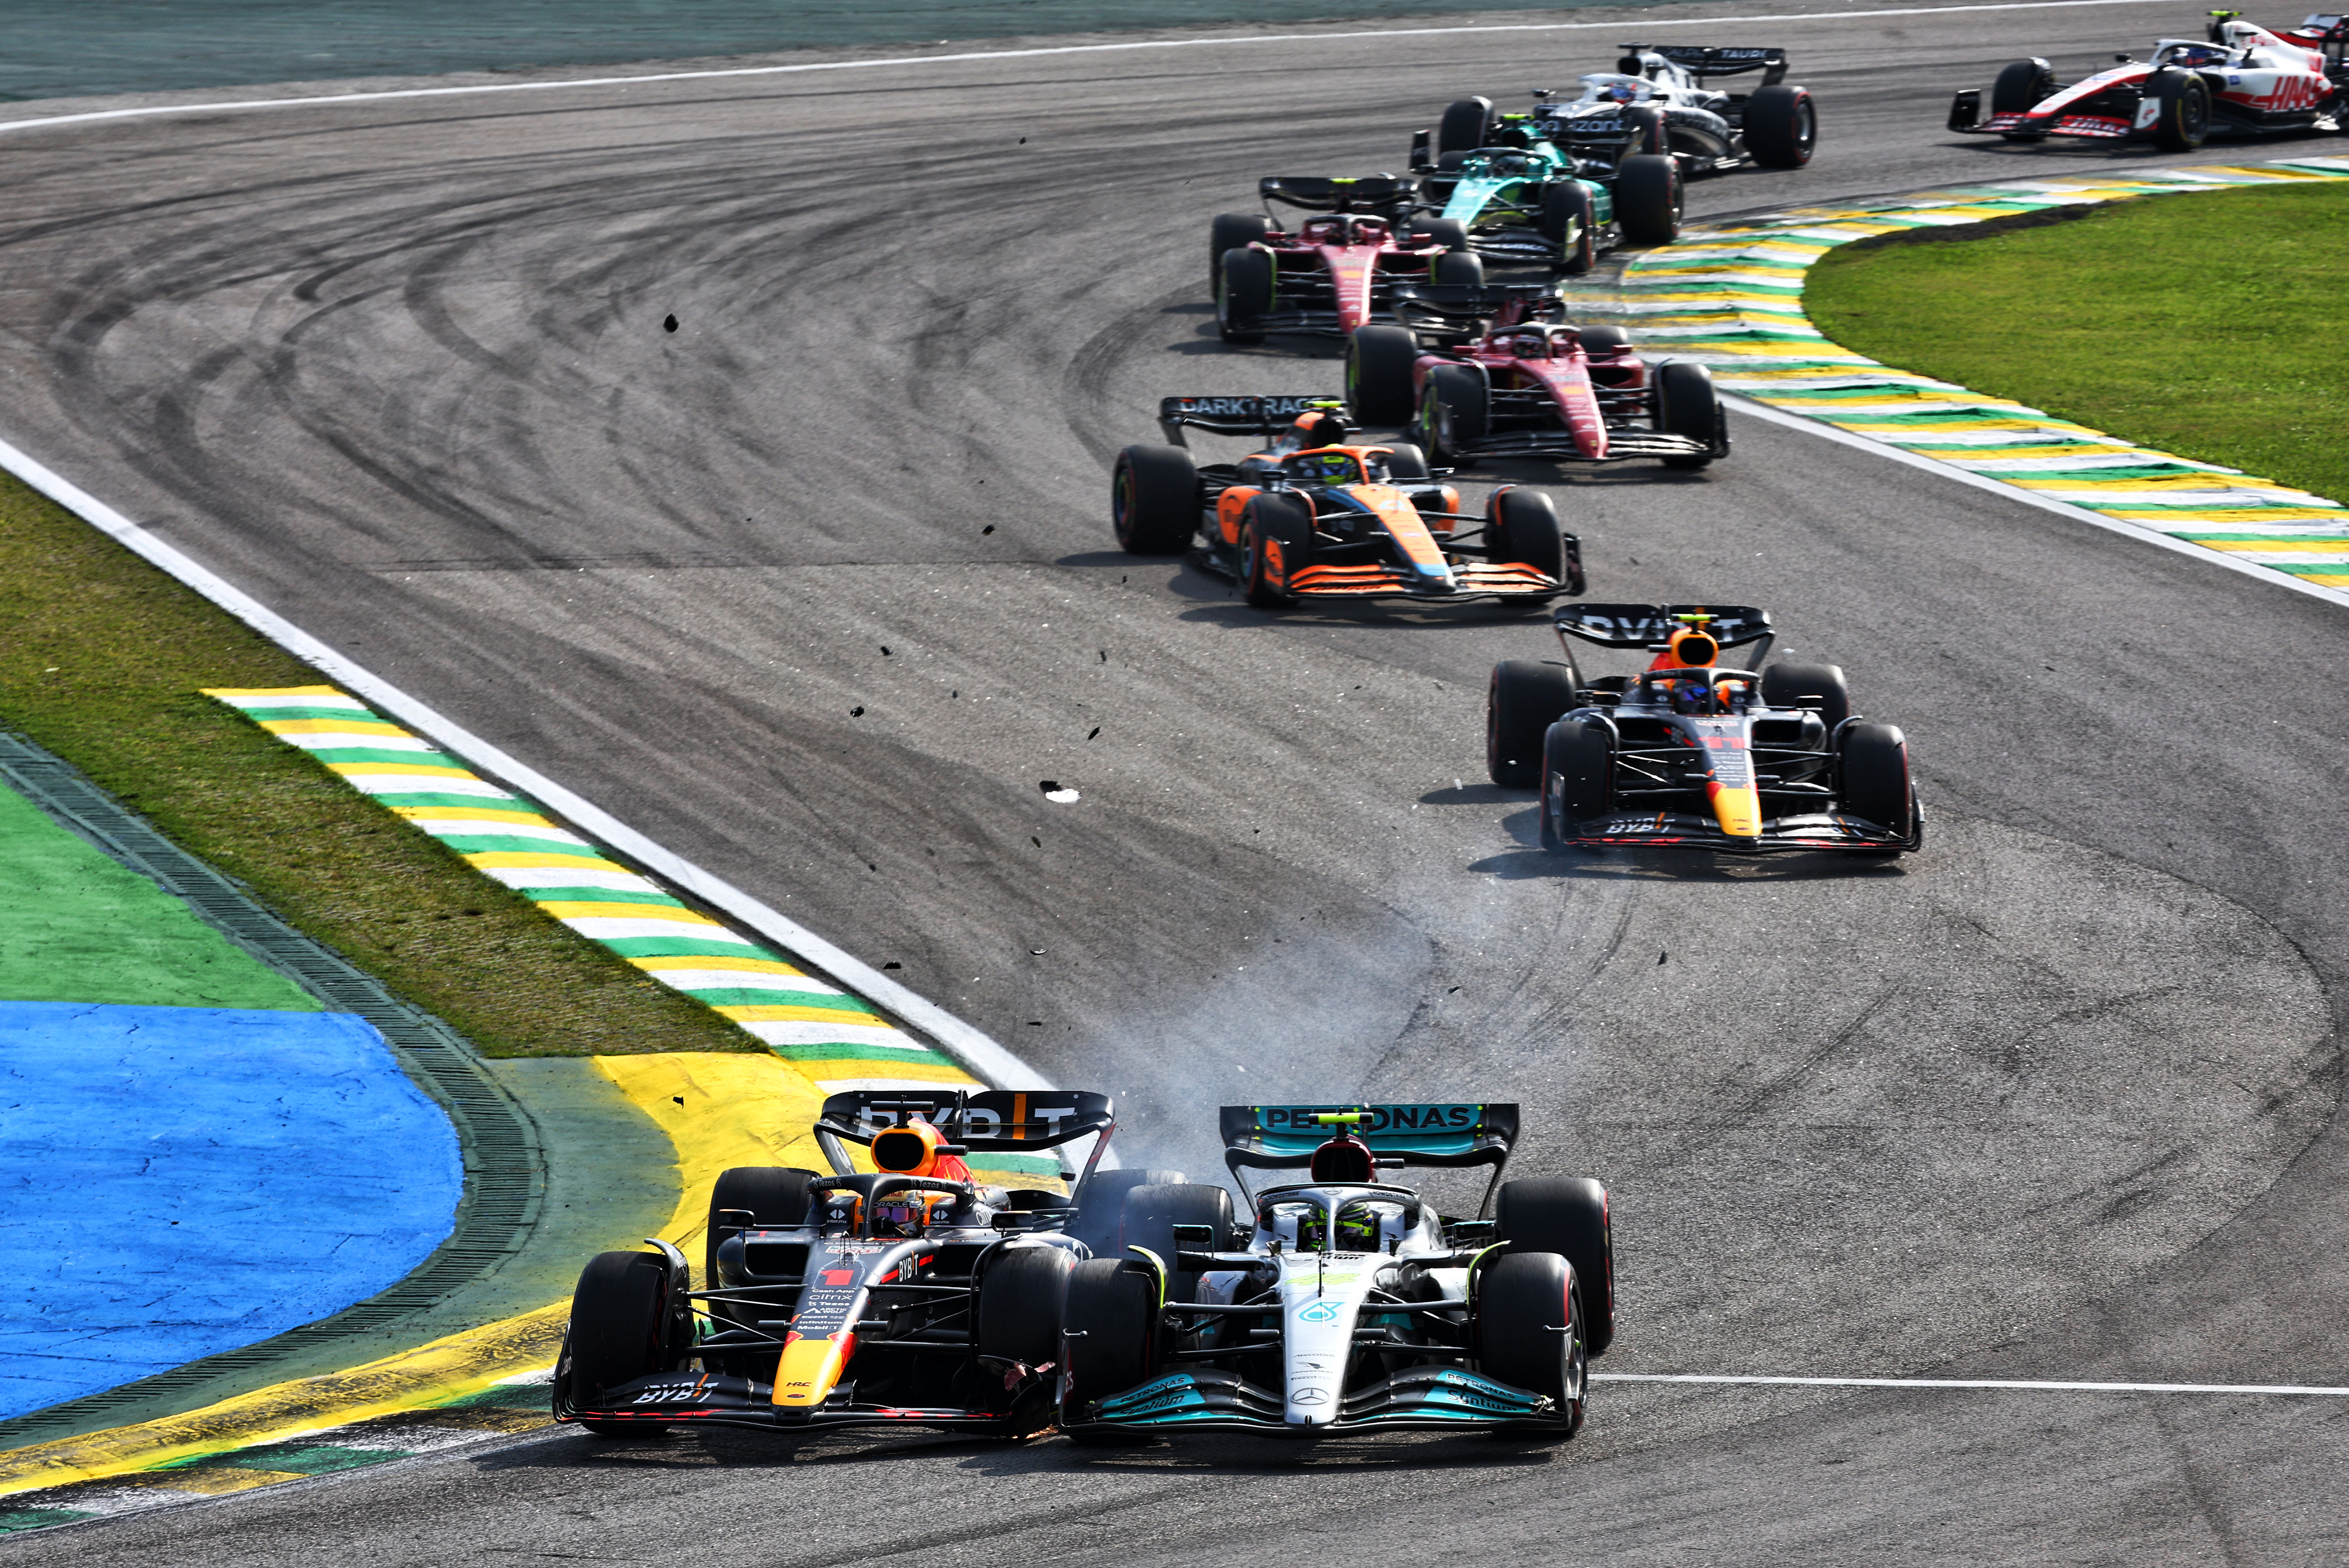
2241,79
1339,267
1527,384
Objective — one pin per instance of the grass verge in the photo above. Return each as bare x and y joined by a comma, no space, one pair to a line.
2208,326
102,658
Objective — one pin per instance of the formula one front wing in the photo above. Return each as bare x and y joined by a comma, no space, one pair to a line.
1437,1399
714,1399
1817,830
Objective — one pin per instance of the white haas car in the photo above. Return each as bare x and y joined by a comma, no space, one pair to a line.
1343,1303
2241,79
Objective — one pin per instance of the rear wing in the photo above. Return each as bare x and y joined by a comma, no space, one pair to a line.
1004,1122
1379,193
1283,1137
1263,416
1701,62
1651,626
1460,302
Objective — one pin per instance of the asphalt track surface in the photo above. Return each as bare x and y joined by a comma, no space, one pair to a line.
2057,1098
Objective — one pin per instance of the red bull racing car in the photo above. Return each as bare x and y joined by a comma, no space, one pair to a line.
1336,269
2240,79
1338,1302
912,1295
1517,380
1692,751
1311,515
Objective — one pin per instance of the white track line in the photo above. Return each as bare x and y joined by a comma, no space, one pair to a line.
2207,556
1223,41
976,1050
2292,1389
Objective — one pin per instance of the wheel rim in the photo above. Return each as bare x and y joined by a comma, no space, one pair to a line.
1806,129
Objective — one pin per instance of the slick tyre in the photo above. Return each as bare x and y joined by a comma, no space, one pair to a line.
1153,1212
1454,409
1651,134
1648,199
2183,122
1406,464
618,1314
774,1195
1154,499
1568,1215
1569,220
1530,1333
1458,269
1687,405
1379,358
1449,233
1872,775
1521,525
1020,1300
1781,126
1525,698
2020,86
1788,684
1276,544
1108,1333
1465,125
1232,231
1577,774
1244,295
1103,1210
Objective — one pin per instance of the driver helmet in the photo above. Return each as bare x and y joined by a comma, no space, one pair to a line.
1620,92
1325,232
906,1213
1359,1229
1530,346
1692,696
1371,231
1335,468
2197,55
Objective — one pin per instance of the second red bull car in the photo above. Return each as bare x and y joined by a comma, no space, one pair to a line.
1695,752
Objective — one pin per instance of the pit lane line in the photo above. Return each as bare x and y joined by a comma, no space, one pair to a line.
986,1059
2029,1384
148,110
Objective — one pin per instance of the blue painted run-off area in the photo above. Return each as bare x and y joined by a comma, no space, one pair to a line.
178,1181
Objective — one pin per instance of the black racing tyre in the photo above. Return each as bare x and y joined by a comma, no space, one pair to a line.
1455,409
1569,220
1109,1323
1020,1298
1458,269
2184,121
1154,499
1153,1212
1781,126
774,1195
1648,200
1449,233
1872,775
1097,1222
1568,1215
1232,231
1465,126
1524,1300
1784,683
1406,464
1650,132
618,1313
1379,358
1276,542
1579,771
1602,342
1244,295
2021,86
1687,405
1524,699
1521,524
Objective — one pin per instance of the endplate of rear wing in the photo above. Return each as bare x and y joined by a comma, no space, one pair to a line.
1701,62
1239,416
1649,626
1379,193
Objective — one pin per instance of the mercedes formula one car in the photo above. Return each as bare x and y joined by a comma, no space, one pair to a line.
1332,272
1517,381
1692,751
1574,176
1343,1303
1311,515
2240,79
908,1295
